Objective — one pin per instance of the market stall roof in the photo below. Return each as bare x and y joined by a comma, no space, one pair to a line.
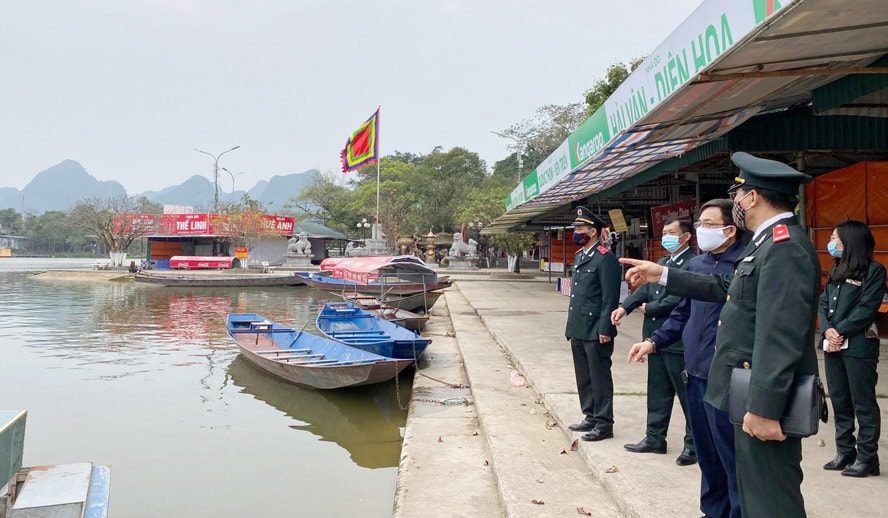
727,62
316,229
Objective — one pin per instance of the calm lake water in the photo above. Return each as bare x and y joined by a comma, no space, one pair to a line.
145,378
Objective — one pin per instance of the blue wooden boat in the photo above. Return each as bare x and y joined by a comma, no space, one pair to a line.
348,323
306,359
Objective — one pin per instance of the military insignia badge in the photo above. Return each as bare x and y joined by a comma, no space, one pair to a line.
781,233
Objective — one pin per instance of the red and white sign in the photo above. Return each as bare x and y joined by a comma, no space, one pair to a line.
218,224
192,224
134,223
196,262
680,210
279,224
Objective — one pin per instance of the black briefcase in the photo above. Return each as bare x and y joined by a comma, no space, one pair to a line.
804,410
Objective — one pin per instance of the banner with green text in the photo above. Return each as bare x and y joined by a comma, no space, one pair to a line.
713,28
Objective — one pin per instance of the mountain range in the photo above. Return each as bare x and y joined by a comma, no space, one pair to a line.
61,186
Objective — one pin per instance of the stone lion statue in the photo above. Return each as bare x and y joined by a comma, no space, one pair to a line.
299,244
462,249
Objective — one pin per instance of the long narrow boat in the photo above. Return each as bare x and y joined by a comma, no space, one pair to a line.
416,302
307,359
387,275
347,323
215,278
402,317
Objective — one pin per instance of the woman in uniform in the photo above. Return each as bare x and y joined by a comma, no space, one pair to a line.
848,308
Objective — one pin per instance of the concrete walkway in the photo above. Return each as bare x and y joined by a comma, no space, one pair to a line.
508,452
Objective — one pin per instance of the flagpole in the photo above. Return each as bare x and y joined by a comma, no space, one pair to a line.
378,160
377,191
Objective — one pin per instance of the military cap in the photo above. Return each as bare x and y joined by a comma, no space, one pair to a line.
585,217
766,174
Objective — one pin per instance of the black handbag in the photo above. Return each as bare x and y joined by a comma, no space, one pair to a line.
804,409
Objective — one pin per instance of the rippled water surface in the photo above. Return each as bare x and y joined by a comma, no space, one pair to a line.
144,378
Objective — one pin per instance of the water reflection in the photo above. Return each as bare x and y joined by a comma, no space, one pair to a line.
145,378
365,421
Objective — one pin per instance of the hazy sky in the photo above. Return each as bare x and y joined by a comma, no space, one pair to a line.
129,88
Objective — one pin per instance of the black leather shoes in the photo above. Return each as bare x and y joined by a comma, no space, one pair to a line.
862,469
842,461
584,426
686,458
644,447
598,434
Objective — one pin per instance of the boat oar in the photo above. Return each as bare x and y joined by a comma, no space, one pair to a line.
298,335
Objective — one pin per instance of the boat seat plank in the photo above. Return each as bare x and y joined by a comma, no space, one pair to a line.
302,356
287,351
261,330
356,332
300,361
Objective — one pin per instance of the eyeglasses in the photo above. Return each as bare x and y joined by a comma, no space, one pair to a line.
733,194
710,225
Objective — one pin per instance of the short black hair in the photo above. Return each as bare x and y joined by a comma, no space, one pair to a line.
725,206
683,224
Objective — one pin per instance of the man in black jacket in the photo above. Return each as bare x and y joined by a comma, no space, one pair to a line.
696,323
664,373
767,325
595,293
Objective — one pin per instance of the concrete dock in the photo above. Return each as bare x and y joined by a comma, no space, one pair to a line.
487,431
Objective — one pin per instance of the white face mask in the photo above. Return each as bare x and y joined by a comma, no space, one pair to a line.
708,239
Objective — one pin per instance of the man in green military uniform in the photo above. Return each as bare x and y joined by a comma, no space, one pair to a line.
594,295
767,325
664,375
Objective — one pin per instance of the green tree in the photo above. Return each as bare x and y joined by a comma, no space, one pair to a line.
11,222
604,88
441,183
397,198
328,197
48,233
514,244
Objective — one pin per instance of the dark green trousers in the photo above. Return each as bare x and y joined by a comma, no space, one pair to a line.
664,382
769,476
852,392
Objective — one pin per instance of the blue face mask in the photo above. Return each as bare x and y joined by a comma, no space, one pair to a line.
833,251
670,243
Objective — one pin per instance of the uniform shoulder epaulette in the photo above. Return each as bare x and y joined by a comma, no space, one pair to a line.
603,249
781,233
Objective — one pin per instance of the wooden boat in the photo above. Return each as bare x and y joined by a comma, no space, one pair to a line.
307,359
347,323
215,279
387,275
402,317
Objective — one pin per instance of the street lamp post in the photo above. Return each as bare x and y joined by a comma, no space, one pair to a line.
365,225
216,174
519,150
233,176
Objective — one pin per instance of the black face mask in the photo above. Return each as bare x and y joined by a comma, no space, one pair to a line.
581,239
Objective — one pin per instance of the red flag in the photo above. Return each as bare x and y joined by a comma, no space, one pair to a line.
362,147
